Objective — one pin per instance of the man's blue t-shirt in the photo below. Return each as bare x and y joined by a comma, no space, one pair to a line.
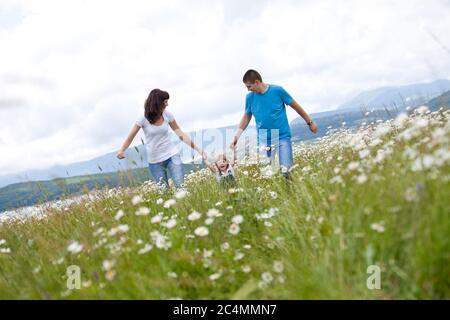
270,113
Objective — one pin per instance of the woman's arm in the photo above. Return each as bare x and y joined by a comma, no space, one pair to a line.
127,142
185,138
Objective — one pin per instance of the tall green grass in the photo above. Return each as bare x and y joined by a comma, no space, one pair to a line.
312,237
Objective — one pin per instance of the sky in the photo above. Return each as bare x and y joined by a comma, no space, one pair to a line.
74,75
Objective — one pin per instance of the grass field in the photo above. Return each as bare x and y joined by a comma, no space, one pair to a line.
373,196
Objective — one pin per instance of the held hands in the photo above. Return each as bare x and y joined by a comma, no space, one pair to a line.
121,155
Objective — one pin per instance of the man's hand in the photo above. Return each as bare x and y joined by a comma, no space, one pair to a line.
204,155
233,145
313,127
246,118
121,155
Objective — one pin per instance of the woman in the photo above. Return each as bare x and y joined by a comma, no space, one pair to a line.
162,153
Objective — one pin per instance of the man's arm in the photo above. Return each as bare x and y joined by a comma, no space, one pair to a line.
246,118
312,126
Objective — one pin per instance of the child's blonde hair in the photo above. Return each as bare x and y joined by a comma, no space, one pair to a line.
221,155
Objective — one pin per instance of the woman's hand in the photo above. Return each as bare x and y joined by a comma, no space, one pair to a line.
127,142
204,155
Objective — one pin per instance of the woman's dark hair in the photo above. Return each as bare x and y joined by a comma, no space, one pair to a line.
154,105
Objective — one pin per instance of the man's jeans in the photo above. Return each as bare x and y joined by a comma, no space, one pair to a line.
173,166
285,156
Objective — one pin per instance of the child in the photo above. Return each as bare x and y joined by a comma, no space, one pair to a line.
223,169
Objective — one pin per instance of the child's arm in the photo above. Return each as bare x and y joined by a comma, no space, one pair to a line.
127,142
211,167
233,163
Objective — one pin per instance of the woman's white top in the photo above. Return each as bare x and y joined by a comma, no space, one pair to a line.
158,144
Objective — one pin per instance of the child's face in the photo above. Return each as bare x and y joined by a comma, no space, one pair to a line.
222,163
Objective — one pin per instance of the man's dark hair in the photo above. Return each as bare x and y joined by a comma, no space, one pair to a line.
251,76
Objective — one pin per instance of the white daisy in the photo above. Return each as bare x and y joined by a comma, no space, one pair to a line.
145,249
237,219
238,256
136,200
246,269
353,165
377,227
362,178
267,277
234,229
201,231
194,216
108,264
213,213
75,247
181,194
156,219
278,266
170,224
169,203
119,215
215,276
142,211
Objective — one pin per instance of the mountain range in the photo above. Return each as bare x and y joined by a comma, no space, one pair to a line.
412,95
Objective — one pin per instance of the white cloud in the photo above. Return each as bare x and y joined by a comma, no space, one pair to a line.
74,74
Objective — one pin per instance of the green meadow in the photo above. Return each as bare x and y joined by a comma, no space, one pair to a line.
364,199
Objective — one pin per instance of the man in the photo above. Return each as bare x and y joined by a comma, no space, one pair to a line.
267,103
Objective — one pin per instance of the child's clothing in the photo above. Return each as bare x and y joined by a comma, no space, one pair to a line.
227,177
